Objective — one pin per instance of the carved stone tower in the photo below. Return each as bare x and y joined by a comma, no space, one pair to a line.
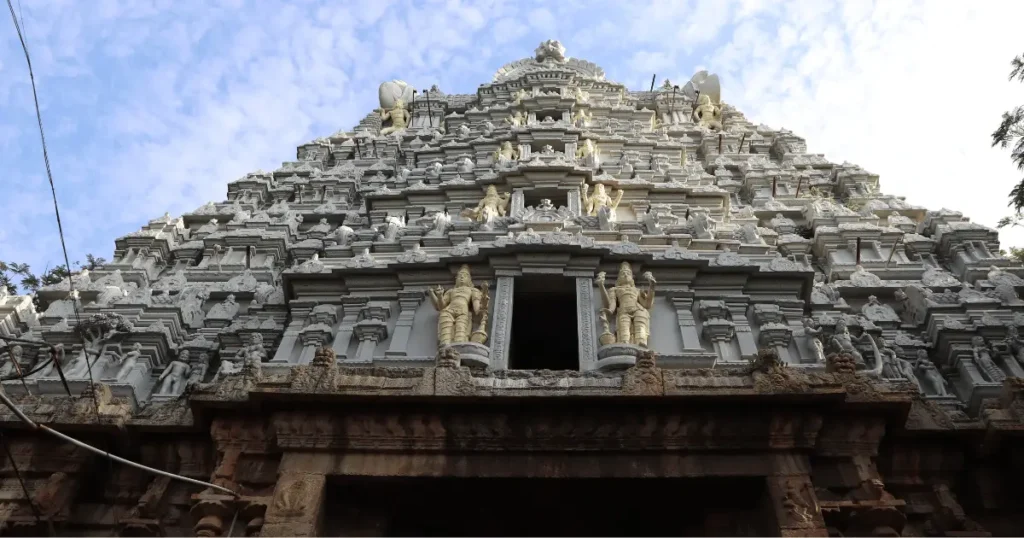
474,312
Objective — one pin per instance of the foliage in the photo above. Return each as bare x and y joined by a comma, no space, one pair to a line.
18,277
1010,134
1016,254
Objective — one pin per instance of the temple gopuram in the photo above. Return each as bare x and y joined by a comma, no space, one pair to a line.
551,307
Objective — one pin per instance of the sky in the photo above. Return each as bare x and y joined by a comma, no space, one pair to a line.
155,105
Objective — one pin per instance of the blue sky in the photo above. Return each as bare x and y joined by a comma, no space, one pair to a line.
154,106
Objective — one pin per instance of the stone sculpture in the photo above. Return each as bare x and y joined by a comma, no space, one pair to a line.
127,362
458,307
516,120
707,114
172,379
983,358
587,154
931,380
489,208
814,334
399,117
506,154
630,305
600,200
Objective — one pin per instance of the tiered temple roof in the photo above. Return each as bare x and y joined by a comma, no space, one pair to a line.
749,253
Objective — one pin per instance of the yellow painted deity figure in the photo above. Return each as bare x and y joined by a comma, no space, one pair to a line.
708,114
630,305
490,207
506,153
457,308
519,96
586,149
593,203
581,118
399,118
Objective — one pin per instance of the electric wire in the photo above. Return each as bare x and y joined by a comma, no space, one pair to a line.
56,209
36,426
71,288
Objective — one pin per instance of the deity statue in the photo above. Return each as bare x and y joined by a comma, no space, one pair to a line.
225,310
983,358
174,375
580,95
626,165
321,227
128,362
930,376
506,153
517,98
814,333
344,235
842,341
516,120
588,155
593,203
630,305
490,207
1015,343
581,118
464,131
392,227
399,118
457,307
79,365
252,355
707,114
441,220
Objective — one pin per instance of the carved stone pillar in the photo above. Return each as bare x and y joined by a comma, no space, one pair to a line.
744,335
284,349
585,309
144,519
350,309
313,337
371,330
687,324
518,202
524,151
408,302
721,332
792,499
573,203
212,514
297,506
369,333
719,329
501,328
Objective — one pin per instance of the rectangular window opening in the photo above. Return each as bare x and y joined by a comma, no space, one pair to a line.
545,334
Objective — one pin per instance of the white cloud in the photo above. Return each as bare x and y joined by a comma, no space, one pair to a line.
156,106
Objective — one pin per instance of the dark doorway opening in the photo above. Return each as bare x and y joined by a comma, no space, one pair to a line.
545,334
378,506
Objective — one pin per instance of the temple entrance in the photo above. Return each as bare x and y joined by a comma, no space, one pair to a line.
544,328
363,506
